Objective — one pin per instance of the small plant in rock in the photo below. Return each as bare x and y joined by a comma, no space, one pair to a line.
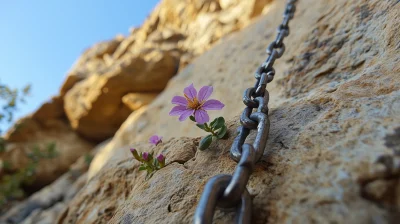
147,160
195,106
216,128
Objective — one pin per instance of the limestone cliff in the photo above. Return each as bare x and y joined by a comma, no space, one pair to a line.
113,78
333,150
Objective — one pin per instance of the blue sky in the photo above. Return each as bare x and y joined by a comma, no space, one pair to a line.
40,40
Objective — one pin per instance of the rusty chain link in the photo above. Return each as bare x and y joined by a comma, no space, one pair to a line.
229,191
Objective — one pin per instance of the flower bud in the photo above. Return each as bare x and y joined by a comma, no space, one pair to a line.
145,156
161,160
135,154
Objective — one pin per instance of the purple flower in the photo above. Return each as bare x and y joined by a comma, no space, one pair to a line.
195,104
145,156
160,158
155,140
133,150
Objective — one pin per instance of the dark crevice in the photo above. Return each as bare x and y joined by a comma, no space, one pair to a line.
169,208
283,145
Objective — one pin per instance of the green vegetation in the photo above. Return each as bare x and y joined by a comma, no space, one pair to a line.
9,100
88,159
11,179
11,184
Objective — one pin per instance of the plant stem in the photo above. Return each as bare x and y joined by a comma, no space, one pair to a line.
213,133
209,129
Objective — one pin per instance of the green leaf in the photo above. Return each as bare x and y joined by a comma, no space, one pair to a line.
27,89
213,122
218,123
205,142
202,126
142,168
222,132
150,158
156,163
192,118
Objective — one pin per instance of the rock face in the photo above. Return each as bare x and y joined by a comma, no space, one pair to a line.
144,61
115,77
46,205
137,100
333,150
46,126
94,106
335,110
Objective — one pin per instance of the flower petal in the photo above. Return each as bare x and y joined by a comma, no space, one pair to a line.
185,114
179,100
190,92
201,116
204,93
160,158
212,105
145,156
154,139
177,110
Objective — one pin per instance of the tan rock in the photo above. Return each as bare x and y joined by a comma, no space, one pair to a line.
328,126
170,38
137,100
47,204
46,126
228,68
50,110
90,62
25,129
94,106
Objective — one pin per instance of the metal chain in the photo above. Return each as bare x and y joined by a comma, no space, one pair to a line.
229,191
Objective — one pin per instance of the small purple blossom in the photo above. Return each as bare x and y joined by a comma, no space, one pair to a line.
160,158
145,156
148,162
155,140
195,104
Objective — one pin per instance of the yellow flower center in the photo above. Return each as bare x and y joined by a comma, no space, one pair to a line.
193,104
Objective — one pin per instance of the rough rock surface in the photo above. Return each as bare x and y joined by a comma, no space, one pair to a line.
47,204
113,78
137,100
47,125
94,106
144,61
335,111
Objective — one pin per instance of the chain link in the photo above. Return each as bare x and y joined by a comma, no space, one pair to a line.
229,191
